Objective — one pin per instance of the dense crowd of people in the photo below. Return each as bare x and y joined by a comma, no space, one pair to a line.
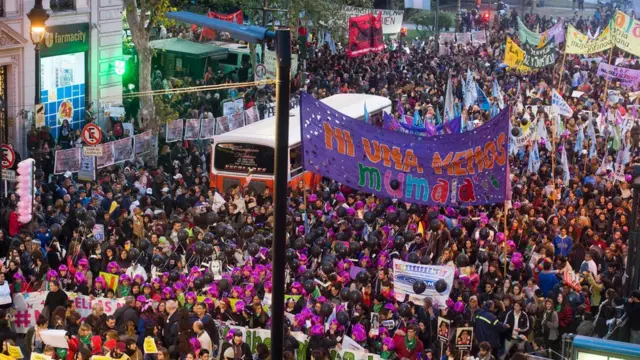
194,260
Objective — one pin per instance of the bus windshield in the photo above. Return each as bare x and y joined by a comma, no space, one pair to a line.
242,157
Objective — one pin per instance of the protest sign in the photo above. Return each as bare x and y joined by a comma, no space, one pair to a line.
191,129
464,338
228,108
174,130
513,54
579,43
463,38
625,31
251,115
111,280
98,232
447,38
143,142
479,37
430,171
222,125
55,338
350,344
627,77
35,356
106,159
365,35
237,121
391,19
67,160
14,352
539,57
405,274
207,128
122,150
87,168
524,137
149,345
444,327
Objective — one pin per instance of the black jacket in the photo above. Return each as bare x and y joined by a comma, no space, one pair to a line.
523,322
124,315
246,350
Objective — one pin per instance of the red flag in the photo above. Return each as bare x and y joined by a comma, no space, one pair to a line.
365,35
207,33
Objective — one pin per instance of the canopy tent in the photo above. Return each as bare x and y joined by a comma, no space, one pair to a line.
190,48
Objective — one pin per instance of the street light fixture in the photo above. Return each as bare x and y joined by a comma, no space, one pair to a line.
38,17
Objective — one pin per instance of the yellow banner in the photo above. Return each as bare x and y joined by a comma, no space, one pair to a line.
35,356
15,352
579,43
150,346
111,280
6,357
626,33
514,56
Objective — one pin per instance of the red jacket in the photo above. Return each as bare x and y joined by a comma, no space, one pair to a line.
14,224
403,352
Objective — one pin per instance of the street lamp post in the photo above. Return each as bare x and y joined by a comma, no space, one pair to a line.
38,17
458,16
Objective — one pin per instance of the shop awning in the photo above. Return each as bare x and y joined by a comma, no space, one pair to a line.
189,48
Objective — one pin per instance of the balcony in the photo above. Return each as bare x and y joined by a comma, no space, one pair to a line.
62,5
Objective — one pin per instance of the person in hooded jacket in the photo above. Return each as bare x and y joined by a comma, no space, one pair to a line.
487,327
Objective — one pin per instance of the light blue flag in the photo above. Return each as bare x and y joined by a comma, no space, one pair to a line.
530,162
366,114
497,94
579,140
438,119
483,100
565,167
536,157
417,120
471,94
494,110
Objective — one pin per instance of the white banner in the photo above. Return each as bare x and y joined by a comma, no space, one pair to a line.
463,38
447,37
191,129
391,19
174,130
29,307
106,158
405,274
253,337
479,37
143,142
524,137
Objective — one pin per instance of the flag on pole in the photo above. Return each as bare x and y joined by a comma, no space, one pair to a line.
418,4
438,118
560,106
471,95
616,143
579,140
417,120
366,114
541,134
565,167
448,101
483,101
535,155
498,94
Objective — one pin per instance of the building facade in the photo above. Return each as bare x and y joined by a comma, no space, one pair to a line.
79,55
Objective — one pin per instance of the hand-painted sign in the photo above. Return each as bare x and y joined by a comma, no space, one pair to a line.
468,168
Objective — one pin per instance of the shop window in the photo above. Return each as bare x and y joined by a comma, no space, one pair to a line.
62,5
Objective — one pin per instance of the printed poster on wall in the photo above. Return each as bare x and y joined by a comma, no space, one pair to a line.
191,129
431,171
207,128
174,130
67,160
391,19
107,156
122,150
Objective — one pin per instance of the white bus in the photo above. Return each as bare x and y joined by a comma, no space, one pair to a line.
252,147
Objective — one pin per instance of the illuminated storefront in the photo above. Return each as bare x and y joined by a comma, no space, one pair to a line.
64,76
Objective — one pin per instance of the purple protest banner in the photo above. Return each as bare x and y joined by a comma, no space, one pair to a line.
627,77
468,168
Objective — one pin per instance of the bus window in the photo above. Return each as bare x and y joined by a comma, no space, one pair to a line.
295,159
240,158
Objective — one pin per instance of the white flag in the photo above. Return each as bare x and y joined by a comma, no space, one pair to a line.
560,106
448,101
541,134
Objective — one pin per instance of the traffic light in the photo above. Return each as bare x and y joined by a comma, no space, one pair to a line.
486,16
26,190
